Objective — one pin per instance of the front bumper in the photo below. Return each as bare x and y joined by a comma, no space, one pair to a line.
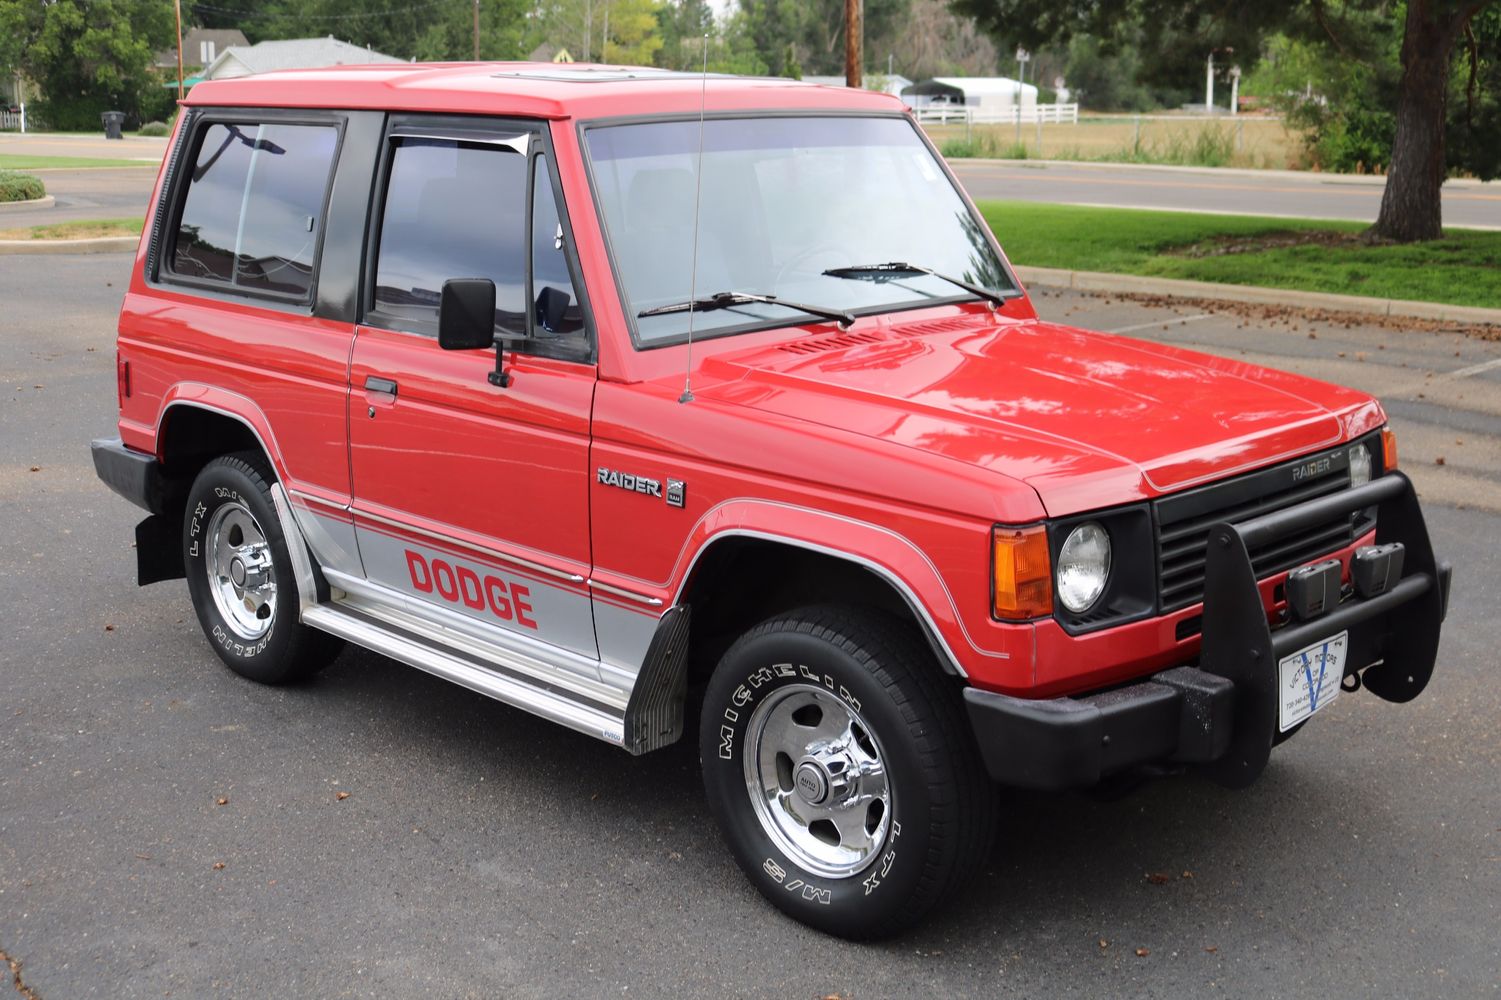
1222,712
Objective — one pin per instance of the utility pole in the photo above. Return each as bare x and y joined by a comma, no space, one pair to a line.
476,30
177,7
1209,86
852,33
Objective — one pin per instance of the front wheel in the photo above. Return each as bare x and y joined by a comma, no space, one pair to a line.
839,765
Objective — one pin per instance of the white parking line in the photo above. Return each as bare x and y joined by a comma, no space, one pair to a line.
1466,372
1159,323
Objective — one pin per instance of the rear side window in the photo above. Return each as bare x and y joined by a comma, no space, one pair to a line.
253,210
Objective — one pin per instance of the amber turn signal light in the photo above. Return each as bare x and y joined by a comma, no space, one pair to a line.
1388,449
1022,573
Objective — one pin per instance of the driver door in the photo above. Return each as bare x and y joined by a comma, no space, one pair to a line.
468,496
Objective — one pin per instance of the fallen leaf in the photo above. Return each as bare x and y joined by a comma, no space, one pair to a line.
222,800
1104,943
1341,353
36,468
144,857
1439,461
1312,335
1159,878
1143,952
218,866
1188,874
341,796
108,627
1211,948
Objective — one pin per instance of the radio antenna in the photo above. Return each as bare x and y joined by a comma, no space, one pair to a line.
698,190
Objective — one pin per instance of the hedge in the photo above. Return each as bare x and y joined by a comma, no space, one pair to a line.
20,187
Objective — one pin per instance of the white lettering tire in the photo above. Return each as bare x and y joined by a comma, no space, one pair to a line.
839,764
240,576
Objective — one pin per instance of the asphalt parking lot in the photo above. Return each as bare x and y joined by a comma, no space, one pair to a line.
482,853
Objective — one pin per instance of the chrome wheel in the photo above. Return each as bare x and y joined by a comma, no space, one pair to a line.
817,780
240,571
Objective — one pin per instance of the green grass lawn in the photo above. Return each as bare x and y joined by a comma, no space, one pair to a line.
85,230
24,161
1309,255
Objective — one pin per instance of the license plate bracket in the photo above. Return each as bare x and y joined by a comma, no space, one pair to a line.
1309,679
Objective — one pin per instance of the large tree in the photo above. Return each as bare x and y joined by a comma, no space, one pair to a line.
88,56
1178,33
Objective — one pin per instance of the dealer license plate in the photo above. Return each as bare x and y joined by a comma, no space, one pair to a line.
1310,679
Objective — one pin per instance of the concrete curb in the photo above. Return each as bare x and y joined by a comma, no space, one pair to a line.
1095,281
101,244
46,201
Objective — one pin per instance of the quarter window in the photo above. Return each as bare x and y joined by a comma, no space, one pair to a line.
253,211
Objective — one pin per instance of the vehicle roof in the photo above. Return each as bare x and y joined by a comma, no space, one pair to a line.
542,90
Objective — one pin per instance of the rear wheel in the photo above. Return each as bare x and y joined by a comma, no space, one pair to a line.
839,765
240,576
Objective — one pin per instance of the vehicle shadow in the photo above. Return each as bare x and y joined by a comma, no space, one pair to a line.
1176,852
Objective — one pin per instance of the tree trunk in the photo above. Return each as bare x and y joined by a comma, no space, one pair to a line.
1410,207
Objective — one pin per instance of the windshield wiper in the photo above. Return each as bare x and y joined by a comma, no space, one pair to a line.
728,300
895,269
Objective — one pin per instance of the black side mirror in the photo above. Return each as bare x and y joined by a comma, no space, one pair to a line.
466,314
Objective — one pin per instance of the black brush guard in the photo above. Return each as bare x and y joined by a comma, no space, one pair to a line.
1222,713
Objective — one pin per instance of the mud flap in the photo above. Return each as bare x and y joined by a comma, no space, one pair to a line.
159,549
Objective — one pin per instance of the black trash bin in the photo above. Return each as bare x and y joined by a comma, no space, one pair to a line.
113,122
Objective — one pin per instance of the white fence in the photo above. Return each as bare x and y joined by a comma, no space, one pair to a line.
14,120
945,114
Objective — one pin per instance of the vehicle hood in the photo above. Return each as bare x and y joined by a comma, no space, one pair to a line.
1086,419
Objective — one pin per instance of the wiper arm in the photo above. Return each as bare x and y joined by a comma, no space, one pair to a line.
727,300
895,269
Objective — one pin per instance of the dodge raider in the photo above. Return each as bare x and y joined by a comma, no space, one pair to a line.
644,401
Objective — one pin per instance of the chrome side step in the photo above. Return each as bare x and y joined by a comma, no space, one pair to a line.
601,721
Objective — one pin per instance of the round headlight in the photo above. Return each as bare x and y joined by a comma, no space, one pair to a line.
1083,566
1360,465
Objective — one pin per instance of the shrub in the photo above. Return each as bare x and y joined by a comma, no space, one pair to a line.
153,129
20,187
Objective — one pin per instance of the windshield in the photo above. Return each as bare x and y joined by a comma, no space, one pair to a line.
784,200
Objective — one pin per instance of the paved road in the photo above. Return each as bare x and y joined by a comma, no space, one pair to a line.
1311,196
130,147
1316,196
88,193
484,853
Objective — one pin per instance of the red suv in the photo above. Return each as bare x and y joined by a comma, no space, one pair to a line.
640,400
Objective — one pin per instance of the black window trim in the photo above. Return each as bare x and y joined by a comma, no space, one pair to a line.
584,126
162,274
482,130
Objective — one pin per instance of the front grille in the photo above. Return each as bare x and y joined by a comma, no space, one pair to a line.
1184,519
